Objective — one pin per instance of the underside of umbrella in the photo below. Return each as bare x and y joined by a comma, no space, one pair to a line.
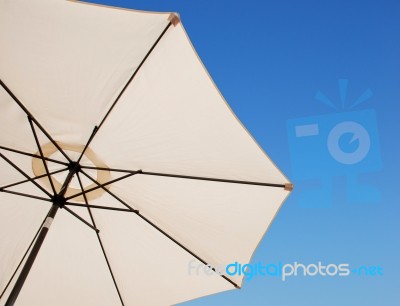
122,166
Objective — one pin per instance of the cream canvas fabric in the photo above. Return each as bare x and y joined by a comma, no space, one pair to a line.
182,182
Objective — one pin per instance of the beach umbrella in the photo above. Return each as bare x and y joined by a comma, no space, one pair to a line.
123,169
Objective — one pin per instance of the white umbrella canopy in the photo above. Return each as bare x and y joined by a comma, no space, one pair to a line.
110,115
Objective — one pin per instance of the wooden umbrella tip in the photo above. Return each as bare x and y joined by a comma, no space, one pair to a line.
174,19
289,186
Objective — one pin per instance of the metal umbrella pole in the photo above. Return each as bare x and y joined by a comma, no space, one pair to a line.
58,202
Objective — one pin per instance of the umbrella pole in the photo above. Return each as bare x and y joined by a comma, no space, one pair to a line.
32,256
58,201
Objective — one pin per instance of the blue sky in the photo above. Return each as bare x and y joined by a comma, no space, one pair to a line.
271,59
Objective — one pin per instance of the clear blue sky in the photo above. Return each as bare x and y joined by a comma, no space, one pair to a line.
271,59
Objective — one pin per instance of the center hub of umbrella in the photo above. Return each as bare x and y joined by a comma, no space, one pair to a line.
74,167
91,169
59,200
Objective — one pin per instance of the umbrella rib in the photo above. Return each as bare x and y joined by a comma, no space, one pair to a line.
96,128
99,239
102,185
109,192
25,195
212,179
98,207
41,154
107,169
26,175
189,177
164,233
134,74
23,258
33,155
22,106
34,178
